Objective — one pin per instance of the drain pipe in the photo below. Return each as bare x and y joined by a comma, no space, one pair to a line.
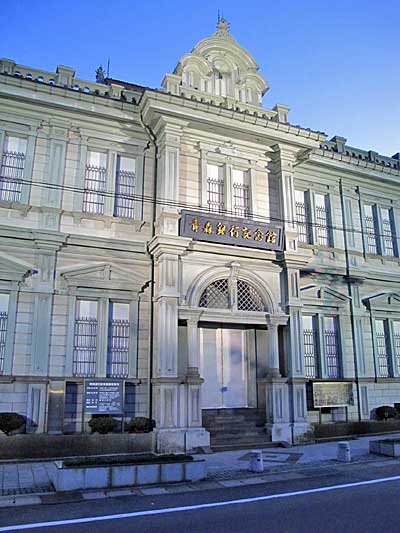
153,140
352,321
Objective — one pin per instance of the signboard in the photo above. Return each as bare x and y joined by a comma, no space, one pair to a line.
333,394
104,397
234,231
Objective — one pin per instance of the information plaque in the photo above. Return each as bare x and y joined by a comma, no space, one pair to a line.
333,394
104,397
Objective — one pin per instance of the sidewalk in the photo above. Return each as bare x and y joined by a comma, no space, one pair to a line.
29,483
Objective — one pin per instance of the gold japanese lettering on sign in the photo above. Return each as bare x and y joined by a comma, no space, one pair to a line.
221,228
237,232
195,225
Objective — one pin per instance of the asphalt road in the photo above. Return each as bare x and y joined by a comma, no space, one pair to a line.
337,503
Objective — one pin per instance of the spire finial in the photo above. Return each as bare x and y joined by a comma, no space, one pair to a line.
100,75
223,24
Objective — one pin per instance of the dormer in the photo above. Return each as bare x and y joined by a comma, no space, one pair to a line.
218,68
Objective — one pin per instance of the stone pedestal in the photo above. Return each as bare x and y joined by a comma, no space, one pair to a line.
278,425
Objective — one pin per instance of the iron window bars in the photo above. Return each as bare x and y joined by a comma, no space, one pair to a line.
11,176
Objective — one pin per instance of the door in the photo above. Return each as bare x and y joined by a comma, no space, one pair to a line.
223,365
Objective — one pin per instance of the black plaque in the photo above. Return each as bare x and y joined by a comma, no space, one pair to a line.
104,397
234,231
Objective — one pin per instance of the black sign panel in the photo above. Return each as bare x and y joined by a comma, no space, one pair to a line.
234,231
104,397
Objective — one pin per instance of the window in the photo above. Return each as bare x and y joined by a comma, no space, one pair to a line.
396,345
95,183
118,340
232,294
387,230
387,339
125,187
240,193
85,338
302,216
215,188
321,220
371,228
3,328
311,369
321,347
12,167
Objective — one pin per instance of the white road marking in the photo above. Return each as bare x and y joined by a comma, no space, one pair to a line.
167,510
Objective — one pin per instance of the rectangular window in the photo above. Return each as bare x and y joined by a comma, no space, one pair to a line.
321,220
382,347
118,340
3,328
240,193
310,347
125,187
396,344
12,169
388,233
332,347
95,183
371,228
215,188
302,216
85,338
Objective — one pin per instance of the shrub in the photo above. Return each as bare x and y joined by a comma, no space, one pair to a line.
10,422
140,424
385,411
103,424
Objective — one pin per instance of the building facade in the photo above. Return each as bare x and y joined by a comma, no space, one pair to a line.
194,245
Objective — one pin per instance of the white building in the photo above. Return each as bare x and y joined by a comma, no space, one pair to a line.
230,267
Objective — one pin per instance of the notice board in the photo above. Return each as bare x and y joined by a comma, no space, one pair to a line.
103,397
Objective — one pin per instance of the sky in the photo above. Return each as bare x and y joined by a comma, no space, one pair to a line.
335,64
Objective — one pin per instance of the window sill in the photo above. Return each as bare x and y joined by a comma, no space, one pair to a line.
108,220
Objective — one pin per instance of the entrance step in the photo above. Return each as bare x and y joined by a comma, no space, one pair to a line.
263,445
236,429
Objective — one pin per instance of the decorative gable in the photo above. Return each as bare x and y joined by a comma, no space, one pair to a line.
388,301
12,269
105,276
323,295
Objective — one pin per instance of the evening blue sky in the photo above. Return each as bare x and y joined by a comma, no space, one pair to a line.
335,64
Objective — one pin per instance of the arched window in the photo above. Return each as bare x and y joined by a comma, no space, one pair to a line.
232,294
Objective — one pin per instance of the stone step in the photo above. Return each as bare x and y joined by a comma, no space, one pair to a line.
249,445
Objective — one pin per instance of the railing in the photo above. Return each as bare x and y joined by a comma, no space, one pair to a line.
11,176
310,351
85,347
118,349
215,194
241,199
124,194
371,235
3,336
93,196
332,354
383,358
388,236
301,219
321,226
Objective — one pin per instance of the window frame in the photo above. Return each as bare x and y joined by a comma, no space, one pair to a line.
30,135
12,293
380,238
393,360
310,208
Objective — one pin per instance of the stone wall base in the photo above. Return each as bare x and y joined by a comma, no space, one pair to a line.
181,439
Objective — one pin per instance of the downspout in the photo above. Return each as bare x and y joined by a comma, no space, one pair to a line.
348,279
153,139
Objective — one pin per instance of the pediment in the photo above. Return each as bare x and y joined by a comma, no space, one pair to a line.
105,276
383,300
324,294
13,269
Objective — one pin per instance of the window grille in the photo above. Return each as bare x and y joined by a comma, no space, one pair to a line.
321,225
310,352
11,176
215,194
93,196
301,219
241,199
248,298
383,356
124,194
3,334
371,236
118,348
387,234
216,295
396,345
332,353
85,347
